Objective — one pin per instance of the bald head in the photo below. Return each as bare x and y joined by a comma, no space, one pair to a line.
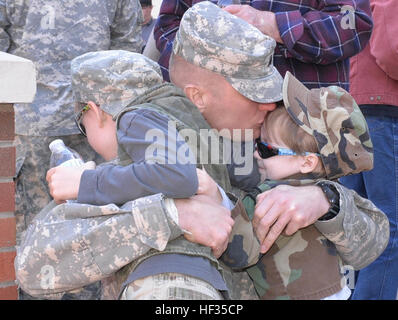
183,73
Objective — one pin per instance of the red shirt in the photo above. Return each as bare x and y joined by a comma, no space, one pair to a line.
374,71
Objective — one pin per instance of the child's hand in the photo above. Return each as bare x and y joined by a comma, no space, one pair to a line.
64,182
208,186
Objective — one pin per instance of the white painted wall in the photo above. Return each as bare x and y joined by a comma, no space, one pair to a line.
17,79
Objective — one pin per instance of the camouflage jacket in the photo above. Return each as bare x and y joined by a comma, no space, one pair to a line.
170,101
51,34
63,251
66,246
309,264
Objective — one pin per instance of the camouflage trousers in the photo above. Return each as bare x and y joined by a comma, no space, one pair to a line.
170,286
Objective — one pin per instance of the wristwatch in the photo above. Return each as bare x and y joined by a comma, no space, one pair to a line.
333,197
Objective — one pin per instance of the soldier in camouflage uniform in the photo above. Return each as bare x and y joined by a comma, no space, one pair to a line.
205,44
320,133
51,34
120,99
44,260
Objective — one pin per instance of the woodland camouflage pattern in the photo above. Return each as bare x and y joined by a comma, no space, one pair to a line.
288,270
332,116
207,37
358,234
113,78
51,34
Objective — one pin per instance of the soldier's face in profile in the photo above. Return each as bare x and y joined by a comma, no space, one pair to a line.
228,109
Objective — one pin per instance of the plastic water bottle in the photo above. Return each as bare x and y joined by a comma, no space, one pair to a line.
63,155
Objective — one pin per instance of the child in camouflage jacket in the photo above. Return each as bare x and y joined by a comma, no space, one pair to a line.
318,134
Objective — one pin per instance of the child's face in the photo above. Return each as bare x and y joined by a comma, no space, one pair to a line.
101,132
276,167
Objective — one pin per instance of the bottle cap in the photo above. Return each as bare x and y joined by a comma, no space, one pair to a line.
56,144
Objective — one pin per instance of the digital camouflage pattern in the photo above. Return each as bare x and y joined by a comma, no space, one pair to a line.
165,98
182,287
170,101
174,286
358,216
32,192
207,37
333,118
71,245
51,34
33,161
113,78
360,234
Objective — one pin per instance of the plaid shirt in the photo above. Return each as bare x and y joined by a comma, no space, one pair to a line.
318,38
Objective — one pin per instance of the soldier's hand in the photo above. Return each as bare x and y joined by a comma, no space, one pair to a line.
286,209
207,186
64,182
265,21
207,222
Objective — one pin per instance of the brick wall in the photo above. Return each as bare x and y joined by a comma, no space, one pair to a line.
8,288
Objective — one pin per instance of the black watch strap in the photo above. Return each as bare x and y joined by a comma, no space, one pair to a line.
333,197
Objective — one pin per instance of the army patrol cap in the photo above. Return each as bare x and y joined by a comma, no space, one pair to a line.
216,40
333,118
113,78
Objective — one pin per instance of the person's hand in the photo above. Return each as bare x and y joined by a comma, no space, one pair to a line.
64,182
207,222
207,186
265,21
287,209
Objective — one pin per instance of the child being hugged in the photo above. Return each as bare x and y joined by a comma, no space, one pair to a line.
313,136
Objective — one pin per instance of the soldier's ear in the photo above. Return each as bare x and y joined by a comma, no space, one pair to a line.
196,95
309,163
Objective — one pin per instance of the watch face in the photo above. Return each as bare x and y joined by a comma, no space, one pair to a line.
333,197
330,192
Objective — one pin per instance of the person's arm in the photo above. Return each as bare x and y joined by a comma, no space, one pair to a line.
4,37
71,245
150,173
384,40
168,22
360,231
321,36
243,248
126,27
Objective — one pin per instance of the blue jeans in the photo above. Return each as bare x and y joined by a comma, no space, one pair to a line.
379,280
